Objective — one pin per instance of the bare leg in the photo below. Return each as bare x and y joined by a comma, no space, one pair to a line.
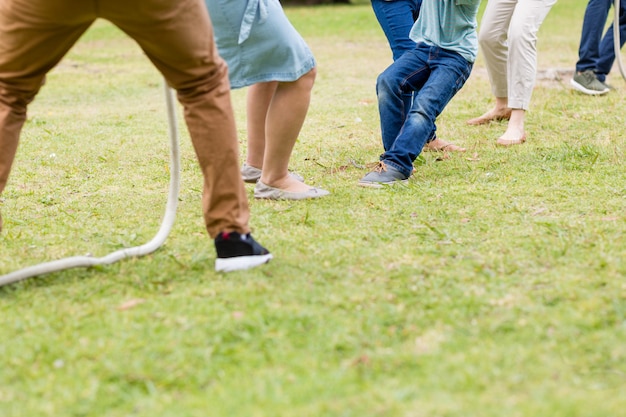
285,116
501,111
258,102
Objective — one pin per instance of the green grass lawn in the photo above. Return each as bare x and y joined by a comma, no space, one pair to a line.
493,284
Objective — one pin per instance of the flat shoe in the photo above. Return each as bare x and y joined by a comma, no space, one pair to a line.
483,120
510,142
263,191
251,174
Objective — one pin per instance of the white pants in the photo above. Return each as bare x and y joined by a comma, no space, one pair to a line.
508,40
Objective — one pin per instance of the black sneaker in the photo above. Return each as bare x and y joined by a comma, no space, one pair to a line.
236,251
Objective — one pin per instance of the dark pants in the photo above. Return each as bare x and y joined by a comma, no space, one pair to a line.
396,18
597,52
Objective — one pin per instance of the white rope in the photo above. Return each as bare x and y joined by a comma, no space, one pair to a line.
616,39
154,244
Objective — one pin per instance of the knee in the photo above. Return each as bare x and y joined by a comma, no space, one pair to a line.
384,83
490,40
522,37
15,102
18,99
308,79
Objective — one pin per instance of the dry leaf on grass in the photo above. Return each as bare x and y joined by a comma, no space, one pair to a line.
127,305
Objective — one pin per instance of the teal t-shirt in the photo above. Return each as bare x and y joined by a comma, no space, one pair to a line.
449,24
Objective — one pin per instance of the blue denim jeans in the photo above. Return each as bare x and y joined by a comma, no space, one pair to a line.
396,18
596,52
434,75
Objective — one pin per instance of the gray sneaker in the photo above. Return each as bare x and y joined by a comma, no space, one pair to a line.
252,175
587,83
607,85
383,175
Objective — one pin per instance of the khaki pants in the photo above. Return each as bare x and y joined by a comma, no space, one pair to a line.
508,41
177,37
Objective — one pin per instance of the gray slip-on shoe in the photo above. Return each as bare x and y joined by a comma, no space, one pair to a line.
263,191
251,174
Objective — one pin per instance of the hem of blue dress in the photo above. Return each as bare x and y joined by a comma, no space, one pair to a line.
281,77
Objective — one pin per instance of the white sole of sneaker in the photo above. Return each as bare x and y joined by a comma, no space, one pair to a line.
582,89
240,263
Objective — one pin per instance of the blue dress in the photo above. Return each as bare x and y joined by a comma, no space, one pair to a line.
258,42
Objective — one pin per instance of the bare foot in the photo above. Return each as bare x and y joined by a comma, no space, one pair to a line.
512,137
440,145
493,115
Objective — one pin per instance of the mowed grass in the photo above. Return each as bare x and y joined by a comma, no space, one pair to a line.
493,284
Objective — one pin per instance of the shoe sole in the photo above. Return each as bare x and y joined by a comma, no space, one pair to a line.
381,184
582,89
285,195
240,263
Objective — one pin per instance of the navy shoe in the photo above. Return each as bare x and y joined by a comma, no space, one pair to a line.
237,252
383,175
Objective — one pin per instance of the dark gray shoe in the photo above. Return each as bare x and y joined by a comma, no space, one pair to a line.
383,175
607,85
587,83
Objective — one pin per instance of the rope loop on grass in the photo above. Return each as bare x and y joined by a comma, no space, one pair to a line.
156,242
616,38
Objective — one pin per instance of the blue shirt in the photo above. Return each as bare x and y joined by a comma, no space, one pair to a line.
449,24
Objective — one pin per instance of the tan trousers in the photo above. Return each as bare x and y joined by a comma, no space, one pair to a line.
177,37
508,41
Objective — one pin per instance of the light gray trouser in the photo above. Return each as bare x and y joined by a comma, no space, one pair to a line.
508,41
